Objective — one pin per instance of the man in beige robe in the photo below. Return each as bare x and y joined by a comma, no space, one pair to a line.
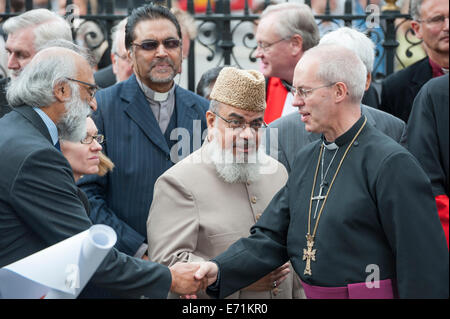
211,198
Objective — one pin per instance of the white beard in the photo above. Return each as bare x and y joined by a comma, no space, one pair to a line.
232,169
72,126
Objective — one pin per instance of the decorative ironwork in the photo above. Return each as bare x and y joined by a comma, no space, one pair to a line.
223,31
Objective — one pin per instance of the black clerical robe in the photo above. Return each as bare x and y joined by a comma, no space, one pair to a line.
380,213
428,132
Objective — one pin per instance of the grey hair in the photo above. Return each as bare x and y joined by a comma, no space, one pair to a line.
120,27
214,106
415,7
34,86
295,18
46,24
84,52
339,64
353,40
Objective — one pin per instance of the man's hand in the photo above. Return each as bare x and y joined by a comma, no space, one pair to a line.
183,281
208,271
271,280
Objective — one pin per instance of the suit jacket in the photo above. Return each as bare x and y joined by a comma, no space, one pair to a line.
399,89
4,106
196,215
292,136
105,77
139,150
40,206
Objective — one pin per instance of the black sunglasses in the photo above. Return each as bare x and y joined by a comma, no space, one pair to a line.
151,45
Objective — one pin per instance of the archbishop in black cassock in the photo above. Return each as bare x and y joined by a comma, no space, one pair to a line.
362,200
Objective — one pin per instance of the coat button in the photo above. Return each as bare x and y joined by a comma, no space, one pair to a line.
253,199
258,216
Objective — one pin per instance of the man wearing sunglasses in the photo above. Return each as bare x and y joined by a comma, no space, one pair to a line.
147,121
430,24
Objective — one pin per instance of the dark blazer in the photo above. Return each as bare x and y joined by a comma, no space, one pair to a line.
40,206
4,106
140,152
292,136
399,89
428,133
105,77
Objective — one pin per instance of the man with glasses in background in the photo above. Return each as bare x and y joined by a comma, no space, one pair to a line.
430,24
121,68
212,198
147,121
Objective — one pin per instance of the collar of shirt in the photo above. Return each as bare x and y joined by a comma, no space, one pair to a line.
153,96
161,104
51,126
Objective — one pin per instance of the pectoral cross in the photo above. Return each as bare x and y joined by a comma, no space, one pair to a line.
309,254
319,197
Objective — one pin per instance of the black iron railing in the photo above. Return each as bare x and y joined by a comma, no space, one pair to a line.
218,25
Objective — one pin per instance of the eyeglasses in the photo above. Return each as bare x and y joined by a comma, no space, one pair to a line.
304,92
265,45
435,21
92,88
239,125
90,138
122,57
151,45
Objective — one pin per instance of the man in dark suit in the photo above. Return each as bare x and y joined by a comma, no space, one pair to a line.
142,118
39,202
430,24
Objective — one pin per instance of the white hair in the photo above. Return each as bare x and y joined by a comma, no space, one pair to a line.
339,64
353,40
46,24
34,86
415,7
115,32
295,18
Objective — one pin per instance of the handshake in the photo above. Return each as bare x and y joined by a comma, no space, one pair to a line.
189,278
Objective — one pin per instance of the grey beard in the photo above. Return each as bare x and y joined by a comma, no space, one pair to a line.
161,80
229,171
72,126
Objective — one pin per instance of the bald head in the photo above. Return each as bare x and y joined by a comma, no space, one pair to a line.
334,64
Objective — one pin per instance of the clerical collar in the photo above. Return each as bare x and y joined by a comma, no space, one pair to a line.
153,95
286,85
346,137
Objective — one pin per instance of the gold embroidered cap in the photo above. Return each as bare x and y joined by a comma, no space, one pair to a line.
243,89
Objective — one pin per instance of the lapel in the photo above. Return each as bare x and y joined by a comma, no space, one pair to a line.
185,110
35,119
140,112
421,74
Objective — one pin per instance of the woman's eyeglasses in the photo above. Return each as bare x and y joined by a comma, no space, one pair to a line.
90,138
